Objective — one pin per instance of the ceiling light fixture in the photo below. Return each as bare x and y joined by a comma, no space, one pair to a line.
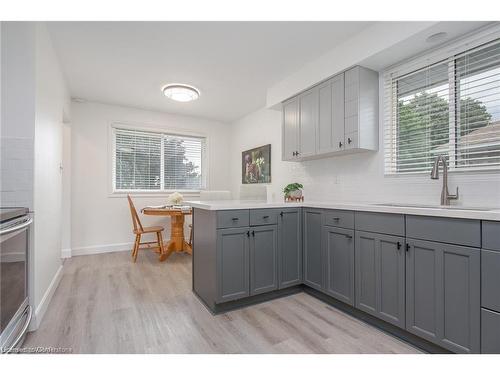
181,92
437,37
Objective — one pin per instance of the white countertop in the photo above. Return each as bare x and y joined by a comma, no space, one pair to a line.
410,209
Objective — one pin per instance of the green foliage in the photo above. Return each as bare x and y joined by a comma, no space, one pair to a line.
292,187
424,123
179,172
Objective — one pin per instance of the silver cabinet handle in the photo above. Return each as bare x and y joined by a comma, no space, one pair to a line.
17,227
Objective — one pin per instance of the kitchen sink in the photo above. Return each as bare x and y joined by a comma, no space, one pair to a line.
411,205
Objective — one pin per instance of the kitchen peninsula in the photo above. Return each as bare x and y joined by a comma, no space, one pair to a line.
412,270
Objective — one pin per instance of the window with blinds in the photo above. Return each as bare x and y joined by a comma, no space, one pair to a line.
449,108
149,161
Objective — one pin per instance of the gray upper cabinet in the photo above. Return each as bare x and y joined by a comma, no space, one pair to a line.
313,254
325,131
232,264
338,108
330,134
380,276
339,261
443,294
337,116
289,247
308,123
263,259
290,129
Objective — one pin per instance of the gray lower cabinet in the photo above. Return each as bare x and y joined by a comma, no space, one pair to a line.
313,254
233,264
263,259
339,262
380,276
490,279
490,332
443,294
289,248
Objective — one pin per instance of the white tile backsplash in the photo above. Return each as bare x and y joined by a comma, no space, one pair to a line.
16,172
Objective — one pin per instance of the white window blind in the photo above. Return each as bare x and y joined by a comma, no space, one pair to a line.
149,161
449,108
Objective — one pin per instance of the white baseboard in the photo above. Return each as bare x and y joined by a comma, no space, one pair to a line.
65,253
99,249
47,297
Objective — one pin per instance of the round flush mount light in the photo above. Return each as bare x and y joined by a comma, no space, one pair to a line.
181,92
437,37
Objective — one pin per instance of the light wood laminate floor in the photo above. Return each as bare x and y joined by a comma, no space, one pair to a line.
107,304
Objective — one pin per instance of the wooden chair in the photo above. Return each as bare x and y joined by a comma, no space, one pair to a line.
139,230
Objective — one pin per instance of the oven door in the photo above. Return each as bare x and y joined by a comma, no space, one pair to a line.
15,312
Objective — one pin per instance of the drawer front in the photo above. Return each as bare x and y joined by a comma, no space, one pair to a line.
380,223
490,332
339,218
490,279
232,218
264,216
491,235
464,232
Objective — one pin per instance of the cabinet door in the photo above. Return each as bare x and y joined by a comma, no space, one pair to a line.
308,117
339,253
290,129
391,272
263,259
232,264
490,332
443,294
338,117
290,248
325,125
351,100
366,271
313,258
380,276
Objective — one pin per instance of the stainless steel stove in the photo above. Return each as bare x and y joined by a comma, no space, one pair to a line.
15,311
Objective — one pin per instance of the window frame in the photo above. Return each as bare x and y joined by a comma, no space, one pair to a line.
141,127
446,52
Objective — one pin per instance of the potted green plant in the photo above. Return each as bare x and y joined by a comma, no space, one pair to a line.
293,190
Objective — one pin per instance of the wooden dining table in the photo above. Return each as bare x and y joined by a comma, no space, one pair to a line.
177,240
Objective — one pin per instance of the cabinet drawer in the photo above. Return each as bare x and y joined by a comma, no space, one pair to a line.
491,235
465,232
490,332
380,223
232,219
339,218
490,279
264,217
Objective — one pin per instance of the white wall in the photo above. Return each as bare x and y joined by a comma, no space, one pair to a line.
33,99
353,178
100,221
51,99
369,42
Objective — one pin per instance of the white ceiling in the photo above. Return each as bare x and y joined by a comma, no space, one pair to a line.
232,63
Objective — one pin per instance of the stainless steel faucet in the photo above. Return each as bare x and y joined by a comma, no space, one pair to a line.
445,195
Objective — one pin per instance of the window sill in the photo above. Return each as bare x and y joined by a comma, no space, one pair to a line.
473,174
154,194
